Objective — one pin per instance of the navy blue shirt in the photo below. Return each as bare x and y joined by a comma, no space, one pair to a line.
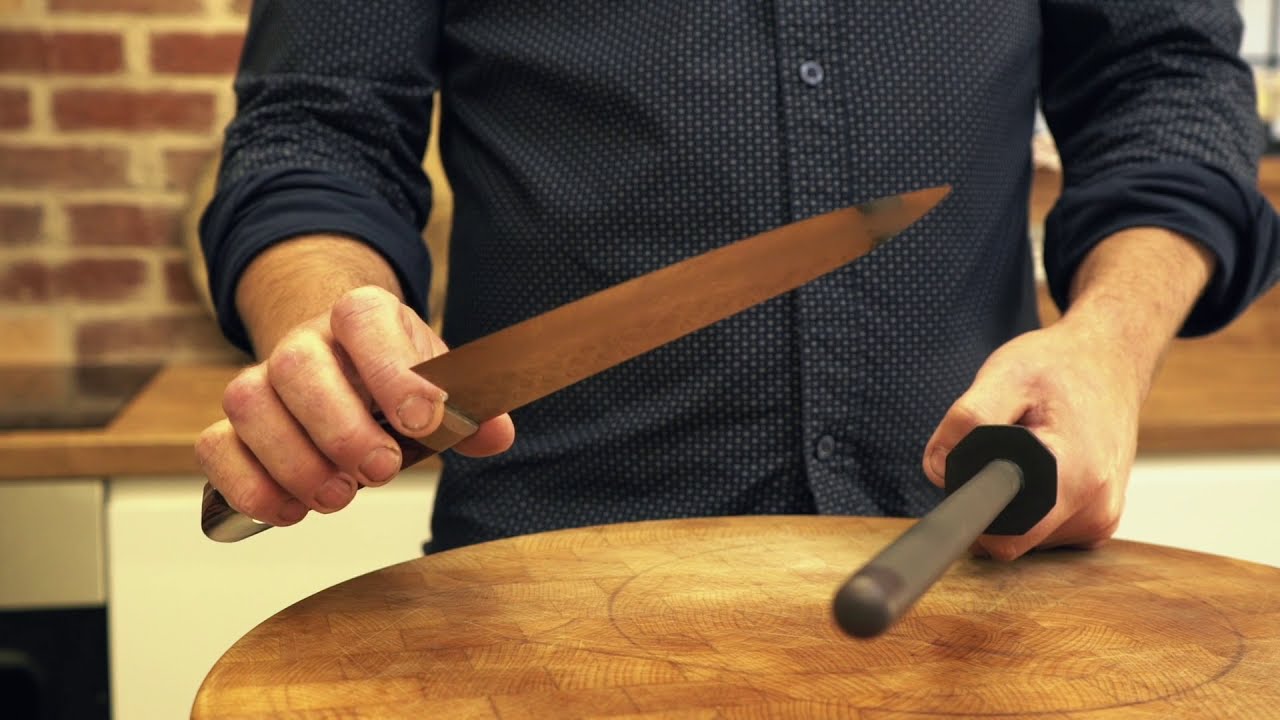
590,141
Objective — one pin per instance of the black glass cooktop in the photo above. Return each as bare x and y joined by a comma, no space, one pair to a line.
65,397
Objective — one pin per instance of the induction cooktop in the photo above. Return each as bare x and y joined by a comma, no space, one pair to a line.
66,397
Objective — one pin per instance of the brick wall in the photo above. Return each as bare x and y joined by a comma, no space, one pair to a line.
110,110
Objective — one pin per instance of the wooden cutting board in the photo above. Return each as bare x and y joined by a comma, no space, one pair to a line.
730,618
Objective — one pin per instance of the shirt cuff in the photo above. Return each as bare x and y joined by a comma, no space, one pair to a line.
261,209
1232,220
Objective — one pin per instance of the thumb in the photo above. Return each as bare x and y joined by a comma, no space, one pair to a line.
989,401
384,339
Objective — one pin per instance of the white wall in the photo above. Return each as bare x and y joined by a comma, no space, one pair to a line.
1257,20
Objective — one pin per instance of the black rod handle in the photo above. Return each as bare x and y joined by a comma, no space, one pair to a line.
879,593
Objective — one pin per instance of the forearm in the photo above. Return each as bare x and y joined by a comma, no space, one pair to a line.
1132,293
296,280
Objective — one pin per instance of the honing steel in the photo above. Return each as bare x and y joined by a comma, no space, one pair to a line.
1000,480
531,359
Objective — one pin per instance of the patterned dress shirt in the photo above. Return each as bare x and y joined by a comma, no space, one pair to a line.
589,141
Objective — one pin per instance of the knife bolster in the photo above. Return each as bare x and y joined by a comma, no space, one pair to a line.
454,428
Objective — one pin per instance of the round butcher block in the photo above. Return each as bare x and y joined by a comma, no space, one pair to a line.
731,618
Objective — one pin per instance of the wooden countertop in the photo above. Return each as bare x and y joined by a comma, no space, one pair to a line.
155,434
1216,394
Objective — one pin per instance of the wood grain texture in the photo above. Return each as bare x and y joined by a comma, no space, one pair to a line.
730,618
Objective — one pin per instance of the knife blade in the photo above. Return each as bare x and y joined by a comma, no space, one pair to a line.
531,359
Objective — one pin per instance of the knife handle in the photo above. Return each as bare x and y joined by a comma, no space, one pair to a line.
222,523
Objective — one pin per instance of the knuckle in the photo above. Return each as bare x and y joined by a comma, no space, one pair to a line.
304,475
965,413
242,394
381,373
354,304
292,356
208,446
240,491
249,498
343,443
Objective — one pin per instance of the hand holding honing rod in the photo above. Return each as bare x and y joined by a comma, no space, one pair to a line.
1000,480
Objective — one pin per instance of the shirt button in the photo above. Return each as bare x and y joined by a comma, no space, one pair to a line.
826,447
811,72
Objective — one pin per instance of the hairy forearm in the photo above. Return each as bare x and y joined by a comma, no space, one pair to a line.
298,279
1134,291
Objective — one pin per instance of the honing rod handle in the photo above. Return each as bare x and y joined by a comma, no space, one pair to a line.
222,523
879,593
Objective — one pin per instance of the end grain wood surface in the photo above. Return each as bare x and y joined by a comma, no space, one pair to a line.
730,618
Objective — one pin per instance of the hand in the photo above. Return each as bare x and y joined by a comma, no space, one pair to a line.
1081,397
300,433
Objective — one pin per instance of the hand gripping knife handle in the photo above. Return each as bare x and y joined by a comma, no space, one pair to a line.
222,523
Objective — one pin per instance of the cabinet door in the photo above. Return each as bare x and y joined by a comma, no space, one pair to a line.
179,600
51,536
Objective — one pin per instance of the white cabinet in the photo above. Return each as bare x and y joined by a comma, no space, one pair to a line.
177,601
51,552
1224,505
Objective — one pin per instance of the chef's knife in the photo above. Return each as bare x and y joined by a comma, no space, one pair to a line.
534,358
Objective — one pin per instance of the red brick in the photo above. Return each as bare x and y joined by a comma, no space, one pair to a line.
196,53
109,224
149,7
86,109
158,336
100,279
94,279
183,169
68,52
178,286
26,281
15,108
69,168
20,224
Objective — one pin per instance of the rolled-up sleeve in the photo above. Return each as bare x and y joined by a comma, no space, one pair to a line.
333,116
1155,116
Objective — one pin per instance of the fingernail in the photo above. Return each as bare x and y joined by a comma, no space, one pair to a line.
293,511
417,412
381,465
336,492
938,462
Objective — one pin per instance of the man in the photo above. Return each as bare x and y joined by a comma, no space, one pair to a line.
588,142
